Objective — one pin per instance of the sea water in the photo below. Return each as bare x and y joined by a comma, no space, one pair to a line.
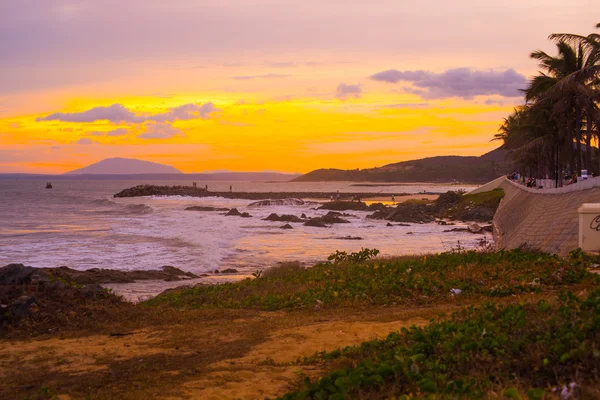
79,224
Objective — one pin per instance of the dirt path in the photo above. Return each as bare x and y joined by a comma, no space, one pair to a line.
238,356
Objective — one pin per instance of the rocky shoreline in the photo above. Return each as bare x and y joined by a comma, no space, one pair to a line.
192,191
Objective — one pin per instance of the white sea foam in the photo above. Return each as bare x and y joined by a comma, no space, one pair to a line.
83,227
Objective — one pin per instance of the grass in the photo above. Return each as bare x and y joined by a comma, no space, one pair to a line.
512,351
353,280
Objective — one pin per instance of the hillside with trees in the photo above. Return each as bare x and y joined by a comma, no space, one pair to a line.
432,169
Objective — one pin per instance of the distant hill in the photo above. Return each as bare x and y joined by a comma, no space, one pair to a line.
203,177
432,169
124,166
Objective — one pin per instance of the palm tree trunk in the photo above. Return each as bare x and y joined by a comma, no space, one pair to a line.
588,139
570,151
578,137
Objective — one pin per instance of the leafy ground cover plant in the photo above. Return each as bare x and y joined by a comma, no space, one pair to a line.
350,280
499,351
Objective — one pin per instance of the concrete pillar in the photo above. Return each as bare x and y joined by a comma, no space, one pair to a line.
589,226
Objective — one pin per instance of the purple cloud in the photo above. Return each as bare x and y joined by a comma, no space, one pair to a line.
84,141
155,130
117,113
459,82
185,112
393,76
344,91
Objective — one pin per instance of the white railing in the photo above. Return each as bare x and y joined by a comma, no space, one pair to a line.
547,185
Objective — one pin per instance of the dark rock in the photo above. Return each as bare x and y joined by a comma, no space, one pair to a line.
205,208
388,224
287,226
16,274
409,233
378,207
474,228
277,202
316,222
229,271
456,230
327,219
410,212
216,271
233,212
245,215
21,307
303,216
92,290
350,238
283,218
344,206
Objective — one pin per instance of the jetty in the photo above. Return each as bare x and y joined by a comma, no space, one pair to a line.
194,191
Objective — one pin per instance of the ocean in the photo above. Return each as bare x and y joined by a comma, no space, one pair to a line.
79,224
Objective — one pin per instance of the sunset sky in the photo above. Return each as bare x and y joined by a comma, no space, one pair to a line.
252,85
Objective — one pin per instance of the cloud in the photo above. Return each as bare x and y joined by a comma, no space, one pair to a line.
459,82
84,141
185,112
115,132
344,91
264,76
117,113
155,130
393,75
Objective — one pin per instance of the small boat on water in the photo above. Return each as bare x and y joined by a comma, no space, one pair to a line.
48,185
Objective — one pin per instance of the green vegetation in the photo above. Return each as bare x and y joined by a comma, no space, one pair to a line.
515,351
432,169
546,135
350,280
469,207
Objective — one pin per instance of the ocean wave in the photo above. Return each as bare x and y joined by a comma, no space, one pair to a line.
138,209
104,202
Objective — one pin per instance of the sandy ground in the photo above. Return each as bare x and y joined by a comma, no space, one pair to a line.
240,355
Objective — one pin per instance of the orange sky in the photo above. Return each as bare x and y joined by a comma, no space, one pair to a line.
235,104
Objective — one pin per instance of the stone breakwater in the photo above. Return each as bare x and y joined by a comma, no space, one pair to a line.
547,222
191,191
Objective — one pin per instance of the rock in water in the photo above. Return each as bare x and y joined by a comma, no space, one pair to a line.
287,226
316,222
474,228
283,218
233,212
205,208
277,202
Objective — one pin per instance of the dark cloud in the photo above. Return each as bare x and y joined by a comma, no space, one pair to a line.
264,76
117,113
459,82
344,91
157,130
